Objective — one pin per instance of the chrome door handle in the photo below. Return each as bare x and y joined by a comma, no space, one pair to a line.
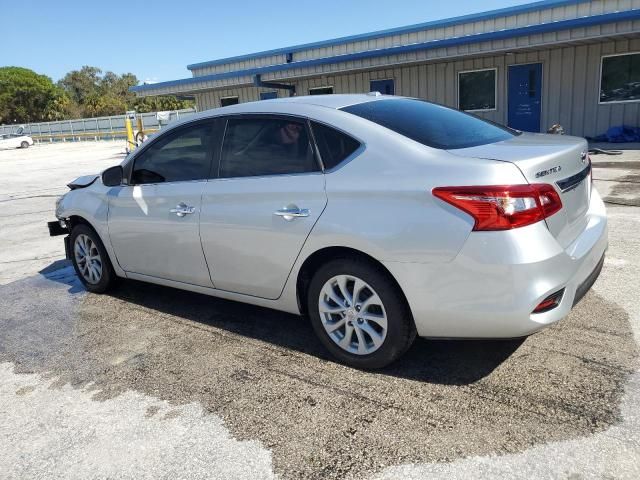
289,213
182,209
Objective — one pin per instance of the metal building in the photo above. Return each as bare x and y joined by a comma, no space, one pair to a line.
572,62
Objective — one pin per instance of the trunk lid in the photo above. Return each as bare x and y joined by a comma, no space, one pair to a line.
558,160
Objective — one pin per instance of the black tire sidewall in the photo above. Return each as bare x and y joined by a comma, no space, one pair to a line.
24,145
400,326
108,275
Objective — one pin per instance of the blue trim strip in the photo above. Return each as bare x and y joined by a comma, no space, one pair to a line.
448,42
474,17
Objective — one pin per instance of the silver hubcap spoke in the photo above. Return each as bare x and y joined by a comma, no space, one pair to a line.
88,258
352,314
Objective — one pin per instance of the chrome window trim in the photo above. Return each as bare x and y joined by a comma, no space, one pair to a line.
569,183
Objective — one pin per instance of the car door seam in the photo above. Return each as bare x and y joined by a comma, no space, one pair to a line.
204,255
295,261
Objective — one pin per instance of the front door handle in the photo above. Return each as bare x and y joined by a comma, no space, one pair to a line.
289,213
183,209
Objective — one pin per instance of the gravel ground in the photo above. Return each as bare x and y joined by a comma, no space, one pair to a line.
150,382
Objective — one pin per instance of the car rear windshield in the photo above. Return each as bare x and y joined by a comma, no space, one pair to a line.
430,124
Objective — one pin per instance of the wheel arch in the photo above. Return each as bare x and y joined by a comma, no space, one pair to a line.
76,219
320,257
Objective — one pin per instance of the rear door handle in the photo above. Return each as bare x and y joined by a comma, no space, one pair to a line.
183,209
289,213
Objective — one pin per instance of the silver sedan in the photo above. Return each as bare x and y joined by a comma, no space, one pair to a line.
379,218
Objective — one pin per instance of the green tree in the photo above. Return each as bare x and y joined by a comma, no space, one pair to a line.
26,96
60,107
81,84
161,103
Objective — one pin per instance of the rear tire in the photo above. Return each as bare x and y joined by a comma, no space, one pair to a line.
359,313
24,145
90,259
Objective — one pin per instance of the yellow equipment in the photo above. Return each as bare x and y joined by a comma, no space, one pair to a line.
131,143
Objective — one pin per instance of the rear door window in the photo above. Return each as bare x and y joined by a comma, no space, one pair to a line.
430,124
334,145
266,146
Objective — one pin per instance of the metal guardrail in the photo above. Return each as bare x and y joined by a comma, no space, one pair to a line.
92,128
115,134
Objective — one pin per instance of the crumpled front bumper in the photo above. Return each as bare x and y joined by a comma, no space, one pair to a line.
59,227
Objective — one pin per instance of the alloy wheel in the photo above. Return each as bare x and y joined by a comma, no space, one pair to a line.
353,314
88,258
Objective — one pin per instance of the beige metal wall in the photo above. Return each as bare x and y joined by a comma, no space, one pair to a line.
571,79
621,29
543,15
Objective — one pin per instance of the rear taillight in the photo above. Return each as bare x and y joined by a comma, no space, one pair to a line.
502,207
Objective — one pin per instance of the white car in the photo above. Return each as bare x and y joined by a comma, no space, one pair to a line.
377,217
14,140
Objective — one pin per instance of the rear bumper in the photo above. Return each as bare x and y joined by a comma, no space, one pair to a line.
490,289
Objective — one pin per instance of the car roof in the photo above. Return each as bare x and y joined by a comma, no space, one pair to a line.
284,105
332,100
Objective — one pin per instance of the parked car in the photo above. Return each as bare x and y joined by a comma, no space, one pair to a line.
14,140
377,217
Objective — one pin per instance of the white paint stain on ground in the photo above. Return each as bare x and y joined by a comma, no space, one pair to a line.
63,432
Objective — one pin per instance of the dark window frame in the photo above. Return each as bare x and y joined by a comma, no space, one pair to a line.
270,116
371,89
270,92
495,89
167,137
610,102
228,97
326,87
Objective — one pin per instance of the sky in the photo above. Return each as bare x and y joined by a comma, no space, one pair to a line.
157,39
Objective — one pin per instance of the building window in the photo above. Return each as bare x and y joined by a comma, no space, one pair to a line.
321,91
620,78
477,90
226,101
268,95
385,87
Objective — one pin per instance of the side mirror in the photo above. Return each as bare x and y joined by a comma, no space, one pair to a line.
112,177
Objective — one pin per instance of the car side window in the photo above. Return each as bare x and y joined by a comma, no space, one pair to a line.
184,155
334,145
266,146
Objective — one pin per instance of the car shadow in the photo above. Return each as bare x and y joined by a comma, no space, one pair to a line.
62,271
447,362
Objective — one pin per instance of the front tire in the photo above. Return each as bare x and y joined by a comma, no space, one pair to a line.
24,145
359,313
90,259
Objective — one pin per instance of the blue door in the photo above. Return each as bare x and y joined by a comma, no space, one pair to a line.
268,95
525,93
385,87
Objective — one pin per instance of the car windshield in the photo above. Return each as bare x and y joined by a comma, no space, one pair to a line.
430,124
